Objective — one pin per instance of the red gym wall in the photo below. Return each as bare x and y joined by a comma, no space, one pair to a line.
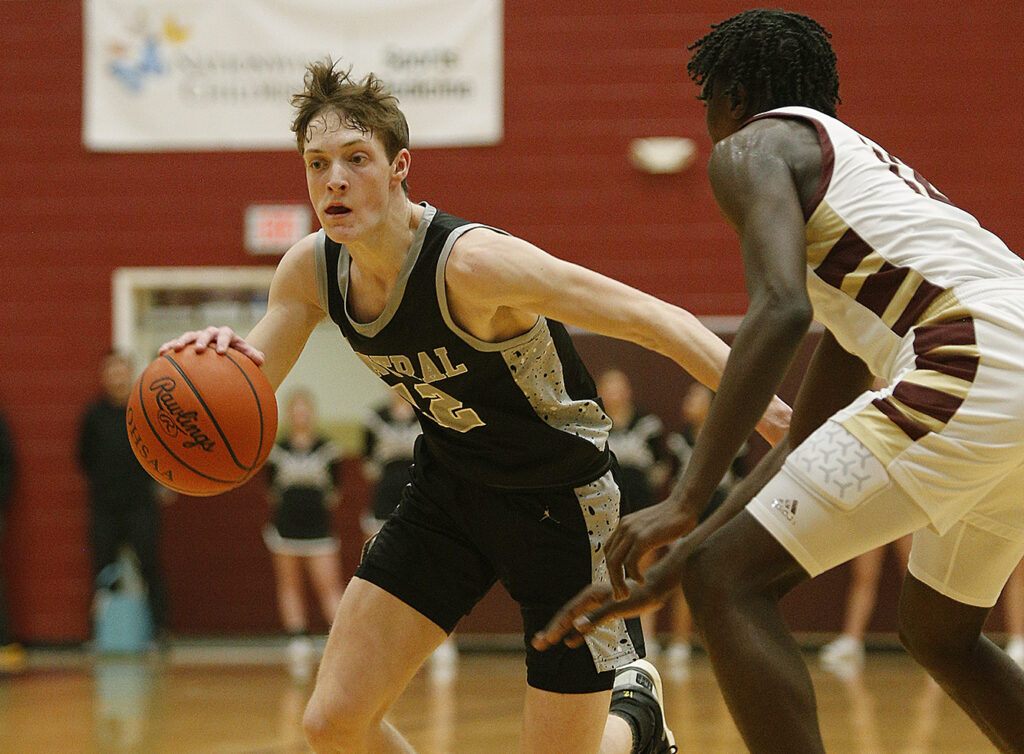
935,83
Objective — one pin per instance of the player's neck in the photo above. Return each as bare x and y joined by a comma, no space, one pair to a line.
382,251
376,264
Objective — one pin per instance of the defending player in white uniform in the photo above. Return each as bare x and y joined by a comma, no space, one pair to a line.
910,289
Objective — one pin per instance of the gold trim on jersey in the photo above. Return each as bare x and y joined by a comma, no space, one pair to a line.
854,281
823,229
842,259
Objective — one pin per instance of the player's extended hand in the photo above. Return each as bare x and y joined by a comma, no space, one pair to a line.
218,338
637,534
595,604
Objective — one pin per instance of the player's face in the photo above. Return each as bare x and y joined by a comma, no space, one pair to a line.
349,177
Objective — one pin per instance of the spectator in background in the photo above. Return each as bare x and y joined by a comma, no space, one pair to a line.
844,655
694,410
12,656
123,498
303,469
637,440
390,435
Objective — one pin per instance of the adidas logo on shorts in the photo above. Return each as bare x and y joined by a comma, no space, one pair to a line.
786,507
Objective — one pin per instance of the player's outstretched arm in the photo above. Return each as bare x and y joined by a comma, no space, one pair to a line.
293,310
510,276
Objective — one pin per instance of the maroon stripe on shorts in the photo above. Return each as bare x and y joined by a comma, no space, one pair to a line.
915,430
959,333
929,401
928,338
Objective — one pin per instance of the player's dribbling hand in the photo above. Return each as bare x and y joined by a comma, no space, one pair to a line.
637,534
218,338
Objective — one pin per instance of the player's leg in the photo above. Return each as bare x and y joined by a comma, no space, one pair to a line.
806,520
417,578
550,549
551,719
325,573
953,582
374,648
628,720
733,584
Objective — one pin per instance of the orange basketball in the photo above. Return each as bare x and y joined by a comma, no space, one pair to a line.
202,423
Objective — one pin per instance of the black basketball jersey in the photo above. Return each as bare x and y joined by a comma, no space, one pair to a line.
520,414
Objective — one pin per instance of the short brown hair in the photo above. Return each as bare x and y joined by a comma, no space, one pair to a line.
365,105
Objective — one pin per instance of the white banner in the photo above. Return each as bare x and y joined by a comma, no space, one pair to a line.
219,74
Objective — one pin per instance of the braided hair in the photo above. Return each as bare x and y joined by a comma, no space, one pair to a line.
780,58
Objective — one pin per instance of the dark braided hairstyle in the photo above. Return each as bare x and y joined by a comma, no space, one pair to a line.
780,58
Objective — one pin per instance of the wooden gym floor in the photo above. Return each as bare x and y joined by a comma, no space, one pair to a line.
240,699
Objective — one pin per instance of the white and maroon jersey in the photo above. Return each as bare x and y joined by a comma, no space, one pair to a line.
885,249
930,301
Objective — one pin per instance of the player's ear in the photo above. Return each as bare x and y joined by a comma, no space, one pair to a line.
741,107
400,166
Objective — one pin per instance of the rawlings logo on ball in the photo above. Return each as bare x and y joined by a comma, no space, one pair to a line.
174,419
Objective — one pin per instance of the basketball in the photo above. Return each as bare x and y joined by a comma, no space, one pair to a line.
202,423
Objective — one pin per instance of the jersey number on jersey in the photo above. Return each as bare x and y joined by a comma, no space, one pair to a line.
917,182
442,408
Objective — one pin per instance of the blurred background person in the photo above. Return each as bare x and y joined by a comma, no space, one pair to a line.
123,499
12,655
844,655
389,435
637,439
302,490
694,410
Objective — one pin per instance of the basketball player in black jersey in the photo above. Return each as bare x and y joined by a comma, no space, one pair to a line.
513,479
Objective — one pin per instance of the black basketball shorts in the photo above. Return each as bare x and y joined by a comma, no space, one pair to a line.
450,539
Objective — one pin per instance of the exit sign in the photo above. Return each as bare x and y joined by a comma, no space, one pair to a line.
273,228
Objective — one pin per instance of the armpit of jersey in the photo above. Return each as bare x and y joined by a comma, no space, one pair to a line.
537,370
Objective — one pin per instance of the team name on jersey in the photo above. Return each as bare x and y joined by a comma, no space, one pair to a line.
431,368
431,402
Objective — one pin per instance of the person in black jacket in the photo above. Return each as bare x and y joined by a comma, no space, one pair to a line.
12,656
123,500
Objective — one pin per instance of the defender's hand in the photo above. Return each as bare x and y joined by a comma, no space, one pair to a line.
637,534
218,338
595,604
